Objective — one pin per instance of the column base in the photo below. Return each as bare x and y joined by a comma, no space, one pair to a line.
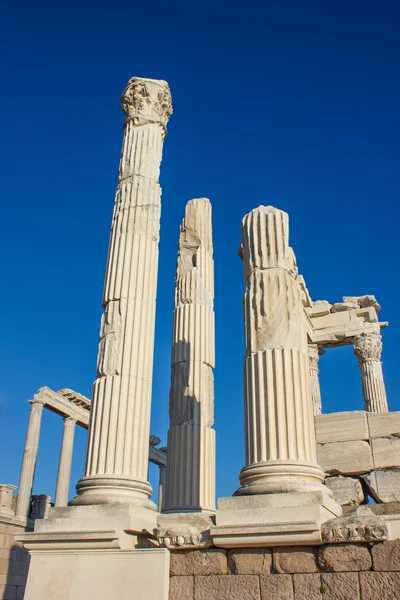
277,477
273,519
110,490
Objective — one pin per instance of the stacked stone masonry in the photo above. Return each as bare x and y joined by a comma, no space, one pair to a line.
14,563
330,572
360,454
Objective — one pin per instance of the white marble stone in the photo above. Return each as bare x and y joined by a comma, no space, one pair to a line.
368,349
100,574
347,491
190,484
383,424
280,445
313,354
118,448
384,486
64,467
341,427
345,458
386,452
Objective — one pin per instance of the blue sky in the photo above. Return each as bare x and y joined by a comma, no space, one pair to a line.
290,104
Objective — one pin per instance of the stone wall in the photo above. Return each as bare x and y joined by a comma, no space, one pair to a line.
360,454
329,572
14,563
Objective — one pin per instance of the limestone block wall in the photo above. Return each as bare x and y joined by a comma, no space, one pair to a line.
329,572
360,454
14,563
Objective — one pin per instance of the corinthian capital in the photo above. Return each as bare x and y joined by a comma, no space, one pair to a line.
147,101
368,347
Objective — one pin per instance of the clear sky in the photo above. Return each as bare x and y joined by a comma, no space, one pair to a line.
294,104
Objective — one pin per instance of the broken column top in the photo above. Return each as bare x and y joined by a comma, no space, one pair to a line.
147,101
270,248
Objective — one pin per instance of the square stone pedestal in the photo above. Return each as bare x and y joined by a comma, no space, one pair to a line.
98,551
273,519
99,574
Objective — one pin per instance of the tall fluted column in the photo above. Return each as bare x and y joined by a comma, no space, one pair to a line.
368,350
118,441
190,483
64,466
161,487
280,437
29,461
313,354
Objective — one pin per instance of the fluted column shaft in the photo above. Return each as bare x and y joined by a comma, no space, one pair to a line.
368,350
64,466
313,354
190,485
118,441
29,461
280,437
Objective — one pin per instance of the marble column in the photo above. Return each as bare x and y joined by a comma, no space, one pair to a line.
29,460
190,485
368,350
64,466
118,439
280,437
313,354
161,487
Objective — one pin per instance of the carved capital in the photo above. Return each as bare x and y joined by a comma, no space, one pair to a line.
147,101
368,347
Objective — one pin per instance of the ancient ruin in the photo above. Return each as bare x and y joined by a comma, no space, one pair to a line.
317,511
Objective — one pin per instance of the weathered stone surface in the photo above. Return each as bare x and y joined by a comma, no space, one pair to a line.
345,458
276,587
295,559
344,557
346,490
320,308
386,556
340,586
307,587
250,561
386,452
341,427
227,587
344,306
383,424
389,508
359,525
198,562
181,588
380,586
384,486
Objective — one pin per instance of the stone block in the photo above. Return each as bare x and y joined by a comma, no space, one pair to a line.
380,586
383,424
341,427
344,557
227,587
199,562
250,561
4,563
307,587
389,508
181,588
345,458
340,586
384,486
386,452
386,556
276,586
295,559
346,491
